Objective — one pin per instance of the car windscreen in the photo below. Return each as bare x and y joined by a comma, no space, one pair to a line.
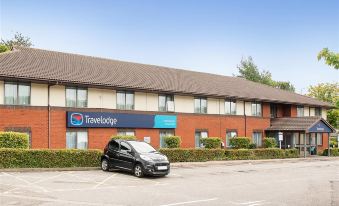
142,147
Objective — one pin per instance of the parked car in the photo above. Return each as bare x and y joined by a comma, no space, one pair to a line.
134,156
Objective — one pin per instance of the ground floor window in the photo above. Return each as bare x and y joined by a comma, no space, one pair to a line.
319,139
126,132
165,133
200,134
229,135
76,140
257,138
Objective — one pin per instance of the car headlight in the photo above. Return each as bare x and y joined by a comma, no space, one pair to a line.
146,158
165,158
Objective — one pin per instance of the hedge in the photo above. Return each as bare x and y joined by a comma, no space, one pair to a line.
254,154
270,142
202,155
46,158
193,155
211,142
14,140
240,142
333,152
124,137
172,141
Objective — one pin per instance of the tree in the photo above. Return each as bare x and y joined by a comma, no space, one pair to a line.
248,70
328,92
331,58
3,48
17,40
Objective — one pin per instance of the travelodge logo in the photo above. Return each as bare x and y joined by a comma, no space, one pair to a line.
77,119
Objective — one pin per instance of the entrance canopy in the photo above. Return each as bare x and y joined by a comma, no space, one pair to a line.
304,124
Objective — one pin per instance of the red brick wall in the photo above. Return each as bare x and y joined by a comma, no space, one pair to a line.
293,111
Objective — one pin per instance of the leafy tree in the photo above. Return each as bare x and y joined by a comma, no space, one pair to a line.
3,48
248,70
331,58
17,40
328,92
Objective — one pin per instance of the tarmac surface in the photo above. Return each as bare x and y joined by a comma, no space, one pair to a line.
243,183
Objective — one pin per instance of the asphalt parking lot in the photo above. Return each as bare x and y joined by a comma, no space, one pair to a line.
258,183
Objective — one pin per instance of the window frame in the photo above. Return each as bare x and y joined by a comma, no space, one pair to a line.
230,131
125,92
76,96
199,131
273,107
230,101
303,110
125,130
76,138
256,114
162,143
166,100
319,111
17,84
201,111
262,137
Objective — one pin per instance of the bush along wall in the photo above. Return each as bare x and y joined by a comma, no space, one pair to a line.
193,155
14,140
333,152
124,137
172,141
46,158
270,142
211,142
254,154
240,142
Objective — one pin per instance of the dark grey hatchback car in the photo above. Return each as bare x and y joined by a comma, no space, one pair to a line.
134,156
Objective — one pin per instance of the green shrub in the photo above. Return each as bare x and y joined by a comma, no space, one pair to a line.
252,146
193,155
3,48
14,140
46,158
211,142
172,141
124,137
270,142
253,154
240,142
333,152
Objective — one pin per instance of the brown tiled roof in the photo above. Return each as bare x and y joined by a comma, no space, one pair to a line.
42,65
294,123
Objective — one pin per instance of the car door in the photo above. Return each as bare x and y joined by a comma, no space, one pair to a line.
126,158
113,153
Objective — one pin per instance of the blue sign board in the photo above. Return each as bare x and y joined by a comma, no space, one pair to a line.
119,120
320,127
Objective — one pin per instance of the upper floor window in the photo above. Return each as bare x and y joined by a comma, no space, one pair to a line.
256,109
166,103
17,93
300,111
200,105
230,107
317,111
126,132
273,110
76,97
125,100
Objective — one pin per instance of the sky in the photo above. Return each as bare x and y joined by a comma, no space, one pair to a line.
282,36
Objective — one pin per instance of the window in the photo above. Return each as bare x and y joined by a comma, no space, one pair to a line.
198,135
125,100
166,103
76,140
17,93
257,138
126,132
273,110
229,135
124,147
200,105
76,97
165,133
317,111
300,111
230,107
319,139
256,109
113,145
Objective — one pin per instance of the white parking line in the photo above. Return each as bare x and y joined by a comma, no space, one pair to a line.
105,180
190,202
250,203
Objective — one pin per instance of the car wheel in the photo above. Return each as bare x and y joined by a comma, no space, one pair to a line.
104,165
138,171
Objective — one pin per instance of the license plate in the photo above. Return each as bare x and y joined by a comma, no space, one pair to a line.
162,167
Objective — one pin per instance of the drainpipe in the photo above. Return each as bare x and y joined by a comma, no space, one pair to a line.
245,120
49,118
